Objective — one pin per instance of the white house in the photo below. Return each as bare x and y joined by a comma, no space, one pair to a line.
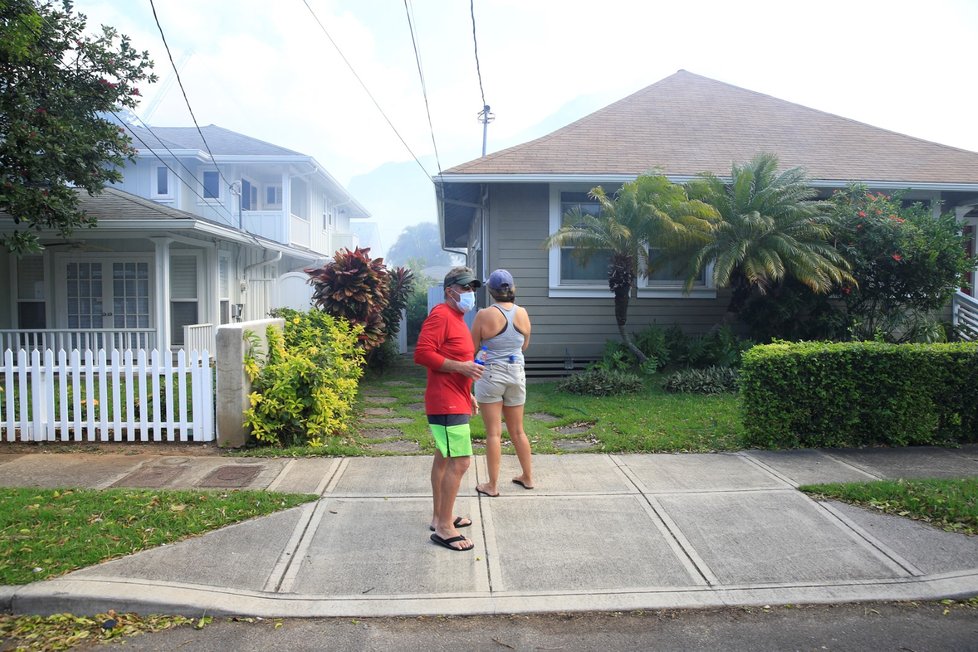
200,232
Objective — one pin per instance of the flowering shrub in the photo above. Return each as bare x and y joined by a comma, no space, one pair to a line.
907,262
307,386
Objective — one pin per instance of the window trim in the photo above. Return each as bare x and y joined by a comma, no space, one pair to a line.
645,288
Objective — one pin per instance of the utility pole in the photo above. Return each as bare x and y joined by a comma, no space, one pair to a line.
485,118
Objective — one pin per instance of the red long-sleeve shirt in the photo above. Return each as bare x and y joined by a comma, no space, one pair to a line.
444,334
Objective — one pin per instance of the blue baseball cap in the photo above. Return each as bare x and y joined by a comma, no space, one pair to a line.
500,280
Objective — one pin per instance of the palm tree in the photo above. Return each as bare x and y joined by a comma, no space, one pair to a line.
649,210
771,229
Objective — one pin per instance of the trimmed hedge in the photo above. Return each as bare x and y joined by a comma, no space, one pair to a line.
823,394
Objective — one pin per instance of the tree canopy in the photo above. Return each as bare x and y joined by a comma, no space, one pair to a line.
56,83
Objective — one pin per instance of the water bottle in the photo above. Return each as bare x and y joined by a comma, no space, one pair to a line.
512,359
480,357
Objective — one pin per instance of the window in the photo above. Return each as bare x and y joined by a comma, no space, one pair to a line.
273,196
183,296
224,287
162,188
328,219
569,277
572,271
30,293
212,184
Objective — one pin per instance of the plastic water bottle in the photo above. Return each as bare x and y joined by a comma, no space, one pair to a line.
512,359
480,357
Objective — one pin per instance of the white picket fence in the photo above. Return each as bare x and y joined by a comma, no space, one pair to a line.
114,400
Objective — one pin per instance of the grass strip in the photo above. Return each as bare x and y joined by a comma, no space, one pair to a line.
48,532
950,504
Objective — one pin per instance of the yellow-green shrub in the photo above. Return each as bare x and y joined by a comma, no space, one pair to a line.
307,386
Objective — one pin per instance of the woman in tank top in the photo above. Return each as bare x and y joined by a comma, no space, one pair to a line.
503,330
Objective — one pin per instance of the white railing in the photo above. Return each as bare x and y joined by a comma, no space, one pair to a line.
964,315
198,337
62,398
269,224
66,339
299,231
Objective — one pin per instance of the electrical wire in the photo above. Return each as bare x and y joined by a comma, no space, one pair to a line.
176,73
424,89
366,90
475,43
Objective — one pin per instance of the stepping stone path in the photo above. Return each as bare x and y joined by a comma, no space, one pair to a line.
573,429
393,421
416,406
378,412
381,433
396,446
543,416
379,400
575,444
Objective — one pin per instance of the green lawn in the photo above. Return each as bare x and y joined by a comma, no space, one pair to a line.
652,421
45,532
949,504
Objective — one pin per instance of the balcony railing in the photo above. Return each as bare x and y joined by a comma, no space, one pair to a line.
964,315
57,339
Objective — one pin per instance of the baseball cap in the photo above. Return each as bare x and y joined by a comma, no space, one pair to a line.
500,280
461,276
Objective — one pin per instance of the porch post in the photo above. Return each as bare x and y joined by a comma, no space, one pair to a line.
162,293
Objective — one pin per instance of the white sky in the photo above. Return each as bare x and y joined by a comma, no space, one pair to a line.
266,69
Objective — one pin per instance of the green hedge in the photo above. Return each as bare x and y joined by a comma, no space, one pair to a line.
819,394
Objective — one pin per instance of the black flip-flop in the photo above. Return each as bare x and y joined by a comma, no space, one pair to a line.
447,543
486,493
457,523
520,483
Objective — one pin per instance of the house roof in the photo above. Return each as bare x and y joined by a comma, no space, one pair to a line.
119,211
221,141
686,124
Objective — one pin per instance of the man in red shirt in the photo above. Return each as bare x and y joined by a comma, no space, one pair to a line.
445,349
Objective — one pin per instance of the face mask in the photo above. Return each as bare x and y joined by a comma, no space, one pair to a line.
466,301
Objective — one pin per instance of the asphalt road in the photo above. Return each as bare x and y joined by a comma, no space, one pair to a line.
916,627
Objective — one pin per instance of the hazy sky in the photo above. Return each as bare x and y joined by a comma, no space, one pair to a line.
267,70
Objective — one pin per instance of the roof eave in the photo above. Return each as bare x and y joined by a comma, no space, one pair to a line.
680,178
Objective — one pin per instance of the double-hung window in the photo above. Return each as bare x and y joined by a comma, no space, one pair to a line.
573,278
162,183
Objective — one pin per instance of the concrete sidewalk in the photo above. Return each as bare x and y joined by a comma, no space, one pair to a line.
600,532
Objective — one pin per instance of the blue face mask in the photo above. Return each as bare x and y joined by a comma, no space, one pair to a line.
466,301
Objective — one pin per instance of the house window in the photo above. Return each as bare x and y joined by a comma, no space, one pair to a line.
273,196
211,180
224,289
329,220
30,293
572,271
162,186
130,295
569,277
183,296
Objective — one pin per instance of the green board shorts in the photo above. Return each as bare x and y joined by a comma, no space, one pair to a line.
452,434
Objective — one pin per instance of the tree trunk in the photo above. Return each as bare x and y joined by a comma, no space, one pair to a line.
621,316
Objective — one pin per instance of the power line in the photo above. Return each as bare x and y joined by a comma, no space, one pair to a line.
424,88
475,43
366,90
485,117
176,73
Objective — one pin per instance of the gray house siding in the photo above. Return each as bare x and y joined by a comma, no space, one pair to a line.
516,226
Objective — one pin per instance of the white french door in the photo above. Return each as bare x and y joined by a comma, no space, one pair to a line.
104,294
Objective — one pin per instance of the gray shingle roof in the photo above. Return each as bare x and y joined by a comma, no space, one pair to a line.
686,124
222,142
